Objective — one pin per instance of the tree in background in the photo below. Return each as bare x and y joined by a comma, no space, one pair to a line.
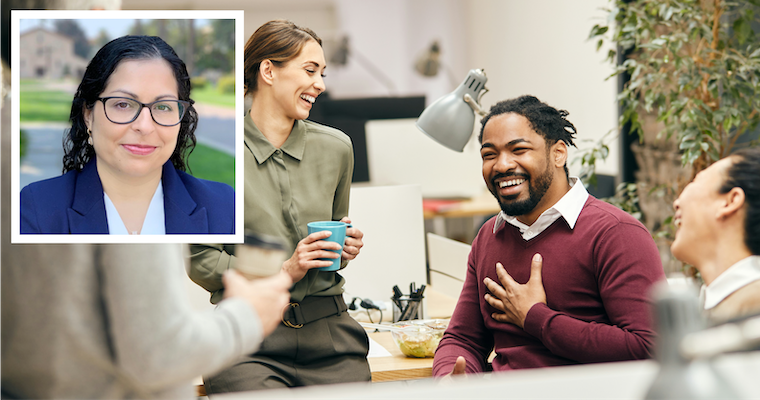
216,47
692,93
70,28
102,38
203,48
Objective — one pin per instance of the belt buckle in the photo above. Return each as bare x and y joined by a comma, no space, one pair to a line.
288,323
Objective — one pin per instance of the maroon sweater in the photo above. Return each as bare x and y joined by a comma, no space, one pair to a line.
597,278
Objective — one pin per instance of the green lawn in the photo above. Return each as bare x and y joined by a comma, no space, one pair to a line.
44,106
209,95
212,164
30,82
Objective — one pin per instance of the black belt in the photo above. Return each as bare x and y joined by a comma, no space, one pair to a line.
312,308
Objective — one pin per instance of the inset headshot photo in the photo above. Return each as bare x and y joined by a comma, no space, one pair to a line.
125,129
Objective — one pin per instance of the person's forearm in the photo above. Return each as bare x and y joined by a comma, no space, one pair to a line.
447,353
207,264
466,335
627,265
157,338
586,342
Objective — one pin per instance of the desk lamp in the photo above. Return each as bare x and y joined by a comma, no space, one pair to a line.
450,119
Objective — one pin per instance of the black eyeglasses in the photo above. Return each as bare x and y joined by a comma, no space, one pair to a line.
123,110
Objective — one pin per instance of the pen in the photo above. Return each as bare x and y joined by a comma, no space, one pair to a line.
402,316
419,292
397,292
397,296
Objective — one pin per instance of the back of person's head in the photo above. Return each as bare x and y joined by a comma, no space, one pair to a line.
744,173
546,120
278,41
95,80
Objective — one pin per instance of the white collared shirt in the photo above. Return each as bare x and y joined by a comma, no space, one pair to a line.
568,207
154,218
734,278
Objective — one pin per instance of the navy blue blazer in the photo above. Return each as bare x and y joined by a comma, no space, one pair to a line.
73,203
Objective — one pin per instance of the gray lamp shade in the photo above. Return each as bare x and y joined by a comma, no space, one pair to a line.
450,119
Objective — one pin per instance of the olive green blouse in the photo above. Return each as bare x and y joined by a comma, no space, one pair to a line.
307,179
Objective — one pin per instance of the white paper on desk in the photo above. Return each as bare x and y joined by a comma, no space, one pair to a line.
377,350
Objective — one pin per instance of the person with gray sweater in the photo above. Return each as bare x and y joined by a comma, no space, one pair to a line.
114,321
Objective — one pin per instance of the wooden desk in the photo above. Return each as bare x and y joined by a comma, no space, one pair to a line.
397,367
437,211
484,204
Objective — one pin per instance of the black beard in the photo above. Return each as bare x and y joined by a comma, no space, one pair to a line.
536,192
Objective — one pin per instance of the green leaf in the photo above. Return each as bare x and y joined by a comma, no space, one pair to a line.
686,145
727,124
742,30
599,44
713,153
597,30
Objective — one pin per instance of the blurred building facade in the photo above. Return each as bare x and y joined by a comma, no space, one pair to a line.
44,54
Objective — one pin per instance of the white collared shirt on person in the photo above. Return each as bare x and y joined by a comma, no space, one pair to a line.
154,219
568,207
734,278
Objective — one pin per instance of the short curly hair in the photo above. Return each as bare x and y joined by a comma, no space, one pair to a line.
546,120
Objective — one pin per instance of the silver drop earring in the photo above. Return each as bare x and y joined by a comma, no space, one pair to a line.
89,137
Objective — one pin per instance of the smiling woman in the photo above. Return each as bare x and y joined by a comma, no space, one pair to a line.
133,124
718,232
296,172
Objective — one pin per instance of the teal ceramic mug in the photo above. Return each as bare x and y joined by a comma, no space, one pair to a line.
337,231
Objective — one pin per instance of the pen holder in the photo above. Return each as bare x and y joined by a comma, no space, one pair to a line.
410,308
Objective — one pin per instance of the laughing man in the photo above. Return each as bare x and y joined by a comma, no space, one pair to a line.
558,277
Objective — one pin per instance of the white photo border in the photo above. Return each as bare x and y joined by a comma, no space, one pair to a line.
16,16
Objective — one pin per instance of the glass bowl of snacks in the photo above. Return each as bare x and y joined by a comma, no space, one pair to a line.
420,337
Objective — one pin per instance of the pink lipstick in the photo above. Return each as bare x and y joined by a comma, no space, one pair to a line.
140,150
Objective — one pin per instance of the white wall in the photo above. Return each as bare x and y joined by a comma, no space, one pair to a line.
526,47
534,47
539,47
399,154
390,34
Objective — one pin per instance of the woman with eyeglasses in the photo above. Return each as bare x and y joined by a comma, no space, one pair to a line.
132,127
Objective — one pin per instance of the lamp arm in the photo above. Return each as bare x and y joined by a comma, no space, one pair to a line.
474,105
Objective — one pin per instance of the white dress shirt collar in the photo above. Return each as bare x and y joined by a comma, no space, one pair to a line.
568,207
154,219
734,278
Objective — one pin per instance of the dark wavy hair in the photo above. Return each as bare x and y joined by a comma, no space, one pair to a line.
744,173
76,150
546,120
